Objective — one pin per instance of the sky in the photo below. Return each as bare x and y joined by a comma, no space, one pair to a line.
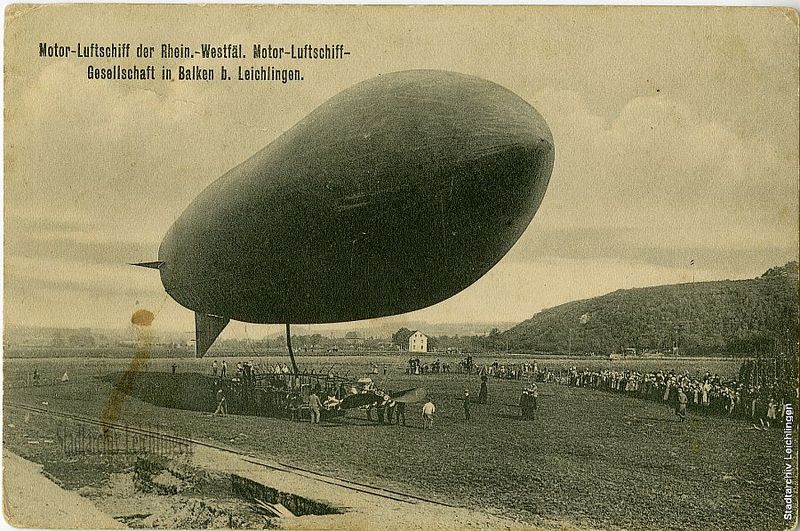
675,130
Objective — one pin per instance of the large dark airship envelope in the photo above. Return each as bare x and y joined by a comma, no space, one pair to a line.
393,195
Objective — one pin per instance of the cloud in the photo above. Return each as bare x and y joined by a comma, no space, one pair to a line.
629,245
69,293
514,290
99,278
120,161
90,247
665,177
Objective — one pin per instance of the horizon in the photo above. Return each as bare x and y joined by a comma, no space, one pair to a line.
383,328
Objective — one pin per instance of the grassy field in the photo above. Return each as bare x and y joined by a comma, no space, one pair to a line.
590,458
17,368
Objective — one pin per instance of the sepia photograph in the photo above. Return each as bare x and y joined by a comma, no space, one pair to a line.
400,267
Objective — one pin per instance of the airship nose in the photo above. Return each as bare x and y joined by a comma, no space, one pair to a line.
490,200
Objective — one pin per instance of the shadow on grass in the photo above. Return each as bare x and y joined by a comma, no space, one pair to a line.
344,423
512,417
654,419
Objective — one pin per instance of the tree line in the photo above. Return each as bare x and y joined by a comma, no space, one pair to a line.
757,316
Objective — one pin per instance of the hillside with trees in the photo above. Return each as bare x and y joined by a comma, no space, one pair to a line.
731,316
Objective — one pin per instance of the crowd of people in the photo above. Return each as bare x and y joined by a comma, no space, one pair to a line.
755,395
759,394
314,396
760,402
415,366
274,389
516,371
247,370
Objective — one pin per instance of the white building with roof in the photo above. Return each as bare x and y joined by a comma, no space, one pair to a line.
417,342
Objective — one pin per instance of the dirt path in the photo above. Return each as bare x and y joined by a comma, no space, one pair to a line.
364,510
31,500
228,485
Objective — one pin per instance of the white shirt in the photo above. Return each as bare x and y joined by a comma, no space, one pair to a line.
428,408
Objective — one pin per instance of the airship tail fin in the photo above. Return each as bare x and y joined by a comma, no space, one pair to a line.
152,265
207,329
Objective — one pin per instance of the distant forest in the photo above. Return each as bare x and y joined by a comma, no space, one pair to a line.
746,317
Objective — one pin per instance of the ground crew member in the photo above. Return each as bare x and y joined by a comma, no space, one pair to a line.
427,415
400,411
391,408
315,406
294,405
222,407
484,394
381,407
466,404
682,401
524,404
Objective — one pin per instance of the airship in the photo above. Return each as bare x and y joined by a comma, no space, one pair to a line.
393,195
